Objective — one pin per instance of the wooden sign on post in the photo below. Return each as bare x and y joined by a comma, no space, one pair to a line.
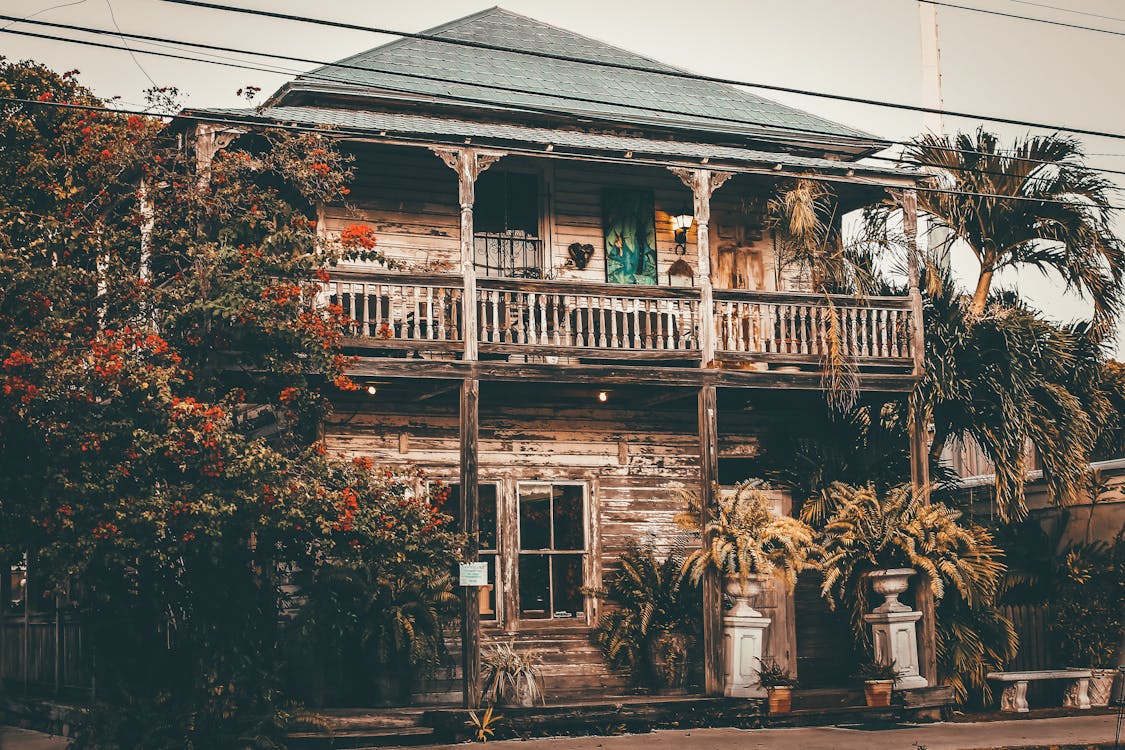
474,574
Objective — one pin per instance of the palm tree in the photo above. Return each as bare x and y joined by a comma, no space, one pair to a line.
1055,213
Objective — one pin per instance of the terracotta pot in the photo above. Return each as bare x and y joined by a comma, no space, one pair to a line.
878,692
890,583
1101,686
780,699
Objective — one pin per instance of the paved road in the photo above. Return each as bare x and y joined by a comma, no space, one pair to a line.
969,736
942,736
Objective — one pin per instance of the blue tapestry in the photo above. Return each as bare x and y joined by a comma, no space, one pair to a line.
629,221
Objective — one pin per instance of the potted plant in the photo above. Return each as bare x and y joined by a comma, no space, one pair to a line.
779,684
878,681
748,542
654,621
511,677
1087,617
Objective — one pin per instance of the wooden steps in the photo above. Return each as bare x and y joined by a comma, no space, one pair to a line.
360,729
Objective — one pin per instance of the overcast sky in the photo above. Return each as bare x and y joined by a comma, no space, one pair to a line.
866,48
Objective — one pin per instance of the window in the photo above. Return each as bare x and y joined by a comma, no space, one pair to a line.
552,550
489,547
506,225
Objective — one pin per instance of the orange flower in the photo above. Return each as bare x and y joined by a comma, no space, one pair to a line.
358,235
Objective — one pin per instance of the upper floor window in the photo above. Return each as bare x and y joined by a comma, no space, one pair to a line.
506,225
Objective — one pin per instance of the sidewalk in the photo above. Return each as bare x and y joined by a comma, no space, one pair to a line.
1071,730
1039,733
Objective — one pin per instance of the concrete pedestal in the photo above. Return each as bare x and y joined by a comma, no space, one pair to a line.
895,637
744,636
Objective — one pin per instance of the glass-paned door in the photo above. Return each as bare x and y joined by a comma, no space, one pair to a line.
552,550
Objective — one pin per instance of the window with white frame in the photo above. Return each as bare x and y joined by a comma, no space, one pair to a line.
552,550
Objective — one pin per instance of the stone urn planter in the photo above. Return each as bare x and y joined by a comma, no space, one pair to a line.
744,637
889,584
878,692
1101,687
894,627
742,594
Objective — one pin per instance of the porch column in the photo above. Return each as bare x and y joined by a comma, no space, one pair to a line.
712,597
468,164
703,182
919,442
470,524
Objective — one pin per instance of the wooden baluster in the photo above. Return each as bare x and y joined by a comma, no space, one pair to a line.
581,316
635,334
880,324
443,305
555,302
802,335
544,333
730,319
853,348
896,344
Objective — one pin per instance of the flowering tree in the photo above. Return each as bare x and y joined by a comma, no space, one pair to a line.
163,373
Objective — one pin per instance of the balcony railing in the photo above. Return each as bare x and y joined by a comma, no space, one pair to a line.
423,313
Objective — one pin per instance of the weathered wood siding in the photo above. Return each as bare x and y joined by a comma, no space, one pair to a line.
409,197
634,464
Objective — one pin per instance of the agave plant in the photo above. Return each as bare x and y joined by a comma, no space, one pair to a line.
510,675
893,529
746,538
654,605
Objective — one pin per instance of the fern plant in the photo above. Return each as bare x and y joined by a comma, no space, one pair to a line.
875,530
746,538
654,616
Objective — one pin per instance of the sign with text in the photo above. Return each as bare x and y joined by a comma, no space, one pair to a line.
474,574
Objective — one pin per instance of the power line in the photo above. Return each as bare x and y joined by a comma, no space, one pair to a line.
359,133
988,12
45,10
136,62
164,41
669,72
1069,10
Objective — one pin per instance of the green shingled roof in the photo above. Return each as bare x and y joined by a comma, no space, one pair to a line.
487,76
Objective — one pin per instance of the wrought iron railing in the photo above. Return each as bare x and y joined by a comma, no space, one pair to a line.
508,256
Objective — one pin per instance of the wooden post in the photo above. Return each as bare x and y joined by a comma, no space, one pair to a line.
712,598
470,524
704,182
468,164
919,443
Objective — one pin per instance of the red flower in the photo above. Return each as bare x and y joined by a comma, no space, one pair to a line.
358,235
289,395
46,96
321,167
134,122
105,155
344,383
17,359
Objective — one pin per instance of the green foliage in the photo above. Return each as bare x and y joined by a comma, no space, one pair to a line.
510,674
772,674
895,529
163,373
484,725
972,640
1009,377
1063,221
747,538
873,669
1087,611
651,599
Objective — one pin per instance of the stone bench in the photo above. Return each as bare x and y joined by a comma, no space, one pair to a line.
1014,697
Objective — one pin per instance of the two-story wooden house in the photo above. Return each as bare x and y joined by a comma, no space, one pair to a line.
593,314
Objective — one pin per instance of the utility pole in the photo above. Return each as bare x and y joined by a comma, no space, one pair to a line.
938,239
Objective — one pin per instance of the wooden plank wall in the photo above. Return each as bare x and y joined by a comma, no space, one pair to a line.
633,461
409,198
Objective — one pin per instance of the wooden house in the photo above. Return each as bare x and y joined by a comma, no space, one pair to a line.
591,314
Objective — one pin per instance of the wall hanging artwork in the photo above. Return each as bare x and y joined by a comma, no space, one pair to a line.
629,221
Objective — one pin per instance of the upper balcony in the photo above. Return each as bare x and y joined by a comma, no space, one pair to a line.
412,316
579,270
